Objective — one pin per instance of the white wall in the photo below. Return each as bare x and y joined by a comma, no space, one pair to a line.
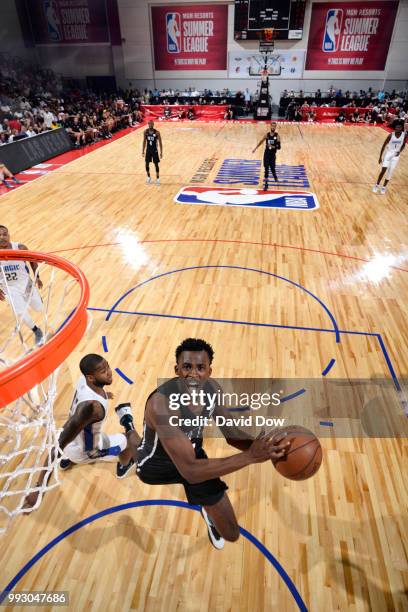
139,66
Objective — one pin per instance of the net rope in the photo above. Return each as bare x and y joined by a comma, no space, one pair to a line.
28,431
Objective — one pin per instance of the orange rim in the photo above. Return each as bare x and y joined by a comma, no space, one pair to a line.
35,367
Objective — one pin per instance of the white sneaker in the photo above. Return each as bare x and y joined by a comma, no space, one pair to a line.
382,190
123,410
148,180
375,188
216,540
158,181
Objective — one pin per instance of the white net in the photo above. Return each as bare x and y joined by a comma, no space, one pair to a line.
32,312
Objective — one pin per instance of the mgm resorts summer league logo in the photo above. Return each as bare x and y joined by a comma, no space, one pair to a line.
251,198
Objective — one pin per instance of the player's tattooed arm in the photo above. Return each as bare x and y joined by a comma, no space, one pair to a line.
259,144
85,414
386,141
34,266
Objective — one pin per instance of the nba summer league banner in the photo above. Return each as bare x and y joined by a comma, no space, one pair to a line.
350,35
63,22
190,37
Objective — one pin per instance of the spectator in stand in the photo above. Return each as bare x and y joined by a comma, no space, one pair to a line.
311,116
247,99
167,113
229,113
355,117
368,117
290,111
298,114
318,94
181,114
191,114
341,117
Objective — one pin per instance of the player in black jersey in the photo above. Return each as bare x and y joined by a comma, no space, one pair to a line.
272,144
171,450
150,140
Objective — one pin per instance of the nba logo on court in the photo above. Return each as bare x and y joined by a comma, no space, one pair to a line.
250,198
331,37
173,32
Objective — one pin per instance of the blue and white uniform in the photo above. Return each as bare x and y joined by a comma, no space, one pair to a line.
92,443
391,156
18,287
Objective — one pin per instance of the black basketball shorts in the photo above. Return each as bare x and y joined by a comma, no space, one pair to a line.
152,156
159,471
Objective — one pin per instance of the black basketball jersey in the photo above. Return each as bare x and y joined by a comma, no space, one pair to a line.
151,140
271,142
150,448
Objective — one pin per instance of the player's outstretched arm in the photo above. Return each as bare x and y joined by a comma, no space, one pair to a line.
259,144
181,451
144,144
86,413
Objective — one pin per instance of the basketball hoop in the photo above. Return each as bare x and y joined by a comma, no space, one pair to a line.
28,379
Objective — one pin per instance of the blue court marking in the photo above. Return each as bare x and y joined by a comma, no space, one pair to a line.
105,346
152,502
333,320
292,395
328,367
388,362
287,280
123,375
248,172
327,423
231,321
66,321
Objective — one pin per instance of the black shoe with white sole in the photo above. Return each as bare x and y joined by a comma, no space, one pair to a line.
65,464
123,470
216,540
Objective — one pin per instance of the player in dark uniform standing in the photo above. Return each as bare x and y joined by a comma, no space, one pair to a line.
171,450
150,140
272,144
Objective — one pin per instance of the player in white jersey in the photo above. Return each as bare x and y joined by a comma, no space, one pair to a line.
82,439
17,287
393,145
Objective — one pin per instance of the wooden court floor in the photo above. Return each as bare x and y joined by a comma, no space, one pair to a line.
340,536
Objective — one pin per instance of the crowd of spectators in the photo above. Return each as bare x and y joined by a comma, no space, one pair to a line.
379,107
34,101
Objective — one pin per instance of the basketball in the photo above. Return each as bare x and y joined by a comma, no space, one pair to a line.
304,457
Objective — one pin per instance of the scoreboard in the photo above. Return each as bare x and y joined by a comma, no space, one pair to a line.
253,17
